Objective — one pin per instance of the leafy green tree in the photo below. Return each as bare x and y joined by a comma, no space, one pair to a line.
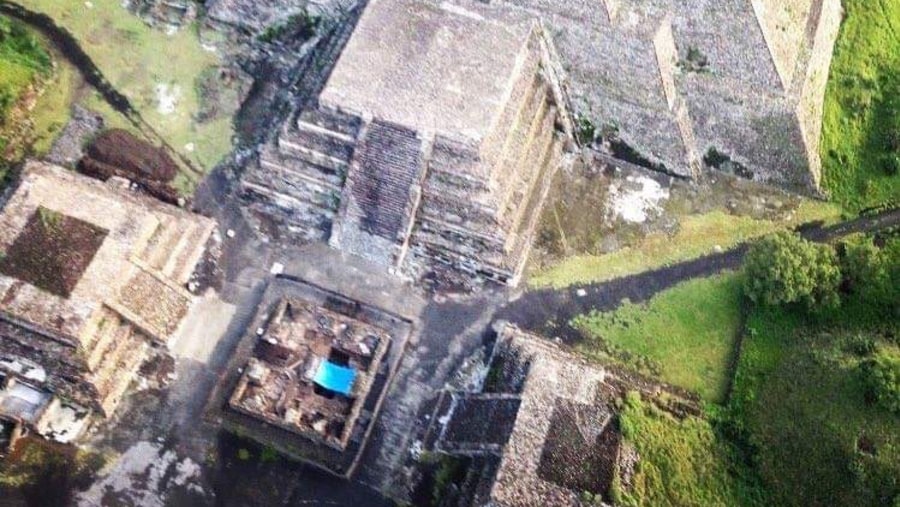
882,376
864,267
783,268
872,272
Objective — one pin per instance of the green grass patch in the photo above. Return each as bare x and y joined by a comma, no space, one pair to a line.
682,462
862,106
697,235
54,107
22,60
686,335
146,64
800,403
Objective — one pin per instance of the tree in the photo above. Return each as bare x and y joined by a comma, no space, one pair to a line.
864,267
882,377
783,268
865,270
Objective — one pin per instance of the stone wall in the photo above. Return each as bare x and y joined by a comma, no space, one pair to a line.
748,82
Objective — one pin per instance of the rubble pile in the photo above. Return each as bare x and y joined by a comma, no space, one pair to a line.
117,152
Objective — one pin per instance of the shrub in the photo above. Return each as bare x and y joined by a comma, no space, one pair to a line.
890,164
863,266
301,26
861,345
872,272
882,377
585,130
784,269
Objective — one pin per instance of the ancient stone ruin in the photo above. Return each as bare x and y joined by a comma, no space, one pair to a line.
312,371
542,432
309,376
92,274
430,148
736,85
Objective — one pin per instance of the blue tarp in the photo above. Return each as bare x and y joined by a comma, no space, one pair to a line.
335,377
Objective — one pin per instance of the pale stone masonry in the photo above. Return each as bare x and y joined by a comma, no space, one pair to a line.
543,428
431,146
111,283
682,85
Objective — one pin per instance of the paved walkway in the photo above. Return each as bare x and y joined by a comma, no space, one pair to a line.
548,311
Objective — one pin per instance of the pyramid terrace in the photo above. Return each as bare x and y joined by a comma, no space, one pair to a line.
91,277
430,147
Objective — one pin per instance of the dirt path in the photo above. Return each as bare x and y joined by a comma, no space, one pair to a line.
548,311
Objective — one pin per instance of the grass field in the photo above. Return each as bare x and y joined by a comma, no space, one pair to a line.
53,107
686,335
682,462
138,60
22,60
861,105
800,400
698,235
14,77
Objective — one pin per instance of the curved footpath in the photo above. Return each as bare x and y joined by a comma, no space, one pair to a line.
548,311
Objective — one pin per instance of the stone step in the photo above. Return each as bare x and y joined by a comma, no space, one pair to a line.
462,164
110,358
305,221
314,157
463,213
334,122
531,163
522,90
182,265
164,241
520,137
320,140
387,166
270,159
316,129
107,330
297,193
183,245
126,372
522,236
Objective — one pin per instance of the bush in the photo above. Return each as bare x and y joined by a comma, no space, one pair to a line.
863,266
585,130
784,269
299,27
882,377
872,272
891,164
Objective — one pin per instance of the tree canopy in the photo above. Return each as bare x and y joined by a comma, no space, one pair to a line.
785,269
